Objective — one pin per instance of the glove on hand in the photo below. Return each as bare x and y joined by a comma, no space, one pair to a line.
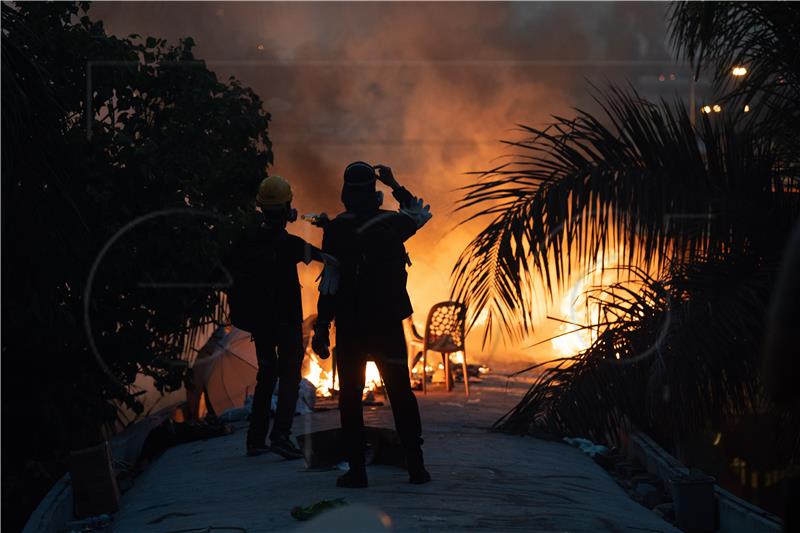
418,212
321,342
329,275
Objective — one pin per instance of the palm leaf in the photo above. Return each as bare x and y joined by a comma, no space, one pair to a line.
701,357
763,37
640,181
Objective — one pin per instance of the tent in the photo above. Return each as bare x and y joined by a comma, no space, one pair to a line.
227,374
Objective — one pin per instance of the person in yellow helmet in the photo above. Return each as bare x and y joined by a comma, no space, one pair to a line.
264,299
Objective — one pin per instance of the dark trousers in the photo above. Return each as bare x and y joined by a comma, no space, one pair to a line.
385,344
280,356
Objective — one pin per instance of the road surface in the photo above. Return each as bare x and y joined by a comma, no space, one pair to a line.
481,481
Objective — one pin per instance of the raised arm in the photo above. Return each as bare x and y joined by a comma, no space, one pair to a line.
415,213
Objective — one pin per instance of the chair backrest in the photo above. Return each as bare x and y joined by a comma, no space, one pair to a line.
444,330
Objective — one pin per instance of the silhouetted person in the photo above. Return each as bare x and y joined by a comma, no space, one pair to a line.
369,309
265,301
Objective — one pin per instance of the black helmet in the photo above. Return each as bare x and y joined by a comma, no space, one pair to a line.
358,190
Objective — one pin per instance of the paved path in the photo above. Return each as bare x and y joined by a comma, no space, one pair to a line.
482,481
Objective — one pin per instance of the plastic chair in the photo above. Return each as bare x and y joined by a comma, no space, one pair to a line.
414,343
444,333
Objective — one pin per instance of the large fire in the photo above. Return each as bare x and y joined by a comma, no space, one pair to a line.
320,374
583,306
572,339
578,310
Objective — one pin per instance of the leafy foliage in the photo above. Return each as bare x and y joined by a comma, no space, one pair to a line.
764,38
671,356
698,213
129,159
648,186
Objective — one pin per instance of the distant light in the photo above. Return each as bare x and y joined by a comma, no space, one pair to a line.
706,109
717,439
260,47
717,108
739,71
616,355
746,108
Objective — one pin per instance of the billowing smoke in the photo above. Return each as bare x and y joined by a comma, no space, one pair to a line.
427,89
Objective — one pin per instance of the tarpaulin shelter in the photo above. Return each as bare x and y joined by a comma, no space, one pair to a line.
228,374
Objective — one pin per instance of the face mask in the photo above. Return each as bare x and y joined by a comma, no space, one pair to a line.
279,214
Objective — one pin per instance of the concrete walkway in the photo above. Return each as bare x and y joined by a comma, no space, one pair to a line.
482,481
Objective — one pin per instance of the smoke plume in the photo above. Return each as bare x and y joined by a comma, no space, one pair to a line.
426,88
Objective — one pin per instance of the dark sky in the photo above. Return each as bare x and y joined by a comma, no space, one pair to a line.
427,88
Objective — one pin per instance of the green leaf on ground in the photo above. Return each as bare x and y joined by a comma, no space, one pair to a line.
307,513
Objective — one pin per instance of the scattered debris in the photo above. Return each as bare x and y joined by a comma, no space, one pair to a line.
306,399
309,512
369,399
588,447
93,523
643,487
237,414
307,396
474,371
171,433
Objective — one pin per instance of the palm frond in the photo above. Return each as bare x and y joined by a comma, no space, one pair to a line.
682,353
640,181
764,38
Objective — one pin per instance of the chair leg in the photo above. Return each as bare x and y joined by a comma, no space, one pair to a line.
334,370
466,375
424,371
448,381
385,393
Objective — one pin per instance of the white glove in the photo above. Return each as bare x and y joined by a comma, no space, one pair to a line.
329,275
418,212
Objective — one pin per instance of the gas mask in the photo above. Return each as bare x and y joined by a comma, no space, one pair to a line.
283,213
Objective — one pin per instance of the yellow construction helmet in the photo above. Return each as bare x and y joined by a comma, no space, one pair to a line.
273,191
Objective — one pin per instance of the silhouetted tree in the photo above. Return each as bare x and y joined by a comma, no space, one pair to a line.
679,350
127,159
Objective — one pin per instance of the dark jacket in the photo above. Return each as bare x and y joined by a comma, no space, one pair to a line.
263,268
372,258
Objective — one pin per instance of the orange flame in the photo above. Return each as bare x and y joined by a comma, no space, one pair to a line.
320,374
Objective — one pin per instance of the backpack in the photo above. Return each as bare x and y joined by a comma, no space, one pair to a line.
253,264
376,274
